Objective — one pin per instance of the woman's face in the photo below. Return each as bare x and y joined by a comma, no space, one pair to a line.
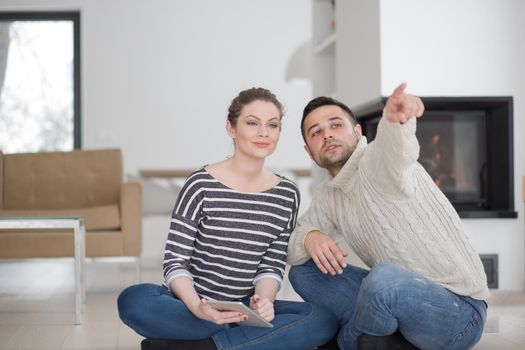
258,128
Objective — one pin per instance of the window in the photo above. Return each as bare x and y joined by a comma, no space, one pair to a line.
39,81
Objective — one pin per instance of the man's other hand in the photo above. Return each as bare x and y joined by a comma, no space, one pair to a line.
328,257
400,106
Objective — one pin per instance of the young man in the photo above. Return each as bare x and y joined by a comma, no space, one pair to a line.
426,281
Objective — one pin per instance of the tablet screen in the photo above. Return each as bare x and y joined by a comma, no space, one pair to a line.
253,320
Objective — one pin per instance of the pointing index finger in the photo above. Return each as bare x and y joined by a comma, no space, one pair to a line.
399,90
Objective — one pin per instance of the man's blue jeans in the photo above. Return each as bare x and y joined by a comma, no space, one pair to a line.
154,312
389,298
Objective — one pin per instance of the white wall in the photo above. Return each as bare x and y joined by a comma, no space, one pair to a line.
465,48
358,77
158,75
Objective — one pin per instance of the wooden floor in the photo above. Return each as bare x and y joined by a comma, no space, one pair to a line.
37,308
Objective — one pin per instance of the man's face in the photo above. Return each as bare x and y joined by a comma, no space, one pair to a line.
330,137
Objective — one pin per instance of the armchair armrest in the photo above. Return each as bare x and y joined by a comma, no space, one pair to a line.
131,217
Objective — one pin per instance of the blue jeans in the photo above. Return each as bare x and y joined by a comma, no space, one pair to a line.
389,298
154,312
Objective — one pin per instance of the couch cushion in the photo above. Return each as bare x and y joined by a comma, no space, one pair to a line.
55,180
59,243
95,218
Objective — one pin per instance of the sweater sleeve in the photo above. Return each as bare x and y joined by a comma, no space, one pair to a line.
392,157
183,229
274,260
315,218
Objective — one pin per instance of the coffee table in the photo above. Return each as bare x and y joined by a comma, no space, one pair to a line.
63,222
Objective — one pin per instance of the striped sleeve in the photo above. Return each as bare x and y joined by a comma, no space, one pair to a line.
183,229
273,261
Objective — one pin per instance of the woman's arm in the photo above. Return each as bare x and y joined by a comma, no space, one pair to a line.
267,288
262,301
183,288
183,230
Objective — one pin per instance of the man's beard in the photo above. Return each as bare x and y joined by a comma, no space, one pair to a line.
339,160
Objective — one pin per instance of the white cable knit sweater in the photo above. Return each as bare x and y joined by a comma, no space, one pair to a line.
387,207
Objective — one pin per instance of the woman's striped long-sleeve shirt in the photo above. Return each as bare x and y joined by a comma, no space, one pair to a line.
227,240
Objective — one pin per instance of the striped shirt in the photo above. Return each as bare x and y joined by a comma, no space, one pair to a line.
227,240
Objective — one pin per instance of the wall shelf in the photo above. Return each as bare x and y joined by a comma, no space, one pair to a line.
327,45
324,39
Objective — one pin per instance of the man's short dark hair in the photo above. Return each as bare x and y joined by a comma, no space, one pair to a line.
325,101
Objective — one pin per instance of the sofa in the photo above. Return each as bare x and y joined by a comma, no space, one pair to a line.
84,183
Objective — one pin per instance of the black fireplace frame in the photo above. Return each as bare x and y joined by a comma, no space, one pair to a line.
500,147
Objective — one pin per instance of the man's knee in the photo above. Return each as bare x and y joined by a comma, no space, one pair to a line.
306,278
296,275
387,278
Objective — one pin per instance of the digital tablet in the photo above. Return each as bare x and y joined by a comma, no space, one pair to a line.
253,320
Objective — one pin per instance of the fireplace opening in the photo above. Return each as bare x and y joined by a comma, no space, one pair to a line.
466,146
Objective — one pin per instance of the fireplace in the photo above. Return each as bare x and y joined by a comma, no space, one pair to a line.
466,146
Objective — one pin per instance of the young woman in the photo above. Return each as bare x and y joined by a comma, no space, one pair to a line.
227,241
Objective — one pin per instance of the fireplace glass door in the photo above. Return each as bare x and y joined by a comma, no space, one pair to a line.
466,145
453,150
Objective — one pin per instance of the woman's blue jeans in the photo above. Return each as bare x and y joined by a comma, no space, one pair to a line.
154,312
389,298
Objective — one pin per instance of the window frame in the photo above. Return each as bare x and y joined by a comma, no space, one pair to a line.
73,16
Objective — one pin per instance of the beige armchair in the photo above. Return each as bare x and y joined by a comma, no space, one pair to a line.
88,184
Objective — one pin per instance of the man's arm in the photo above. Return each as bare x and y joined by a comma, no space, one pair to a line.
325,252
400,106
391,157
312,238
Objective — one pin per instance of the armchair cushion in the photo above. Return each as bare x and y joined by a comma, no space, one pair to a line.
95,218
56,180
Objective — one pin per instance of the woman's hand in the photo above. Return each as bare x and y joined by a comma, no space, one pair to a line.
205,312
183,288
263,307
